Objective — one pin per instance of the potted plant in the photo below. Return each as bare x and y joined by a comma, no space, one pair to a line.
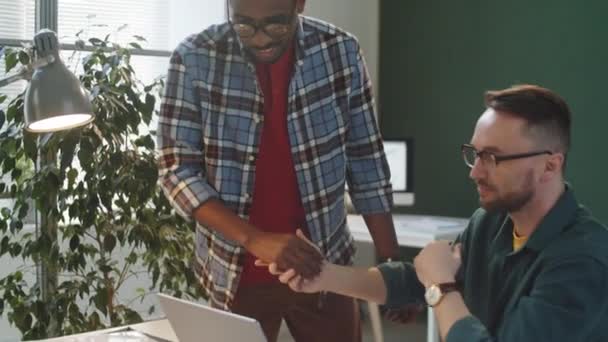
104,219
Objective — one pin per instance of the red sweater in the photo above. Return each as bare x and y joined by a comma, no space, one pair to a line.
276,206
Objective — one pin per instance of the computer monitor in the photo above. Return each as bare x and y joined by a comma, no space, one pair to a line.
399,154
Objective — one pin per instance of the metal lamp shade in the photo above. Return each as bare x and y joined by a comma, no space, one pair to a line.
55,100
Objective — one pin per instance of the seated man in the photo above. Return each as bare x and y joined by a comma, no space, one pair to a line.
532,264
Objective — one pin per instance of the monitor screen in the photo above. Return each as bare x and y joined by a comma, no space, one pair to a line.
399,156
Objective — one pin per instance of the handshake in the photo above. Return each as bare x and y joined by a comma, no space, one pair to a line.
302,275
308,272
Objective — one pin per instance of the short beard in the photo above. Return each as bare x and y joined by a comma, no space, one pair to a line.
512,202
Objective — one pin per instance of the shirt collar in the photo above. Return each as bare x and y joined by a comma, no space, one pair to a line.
557,219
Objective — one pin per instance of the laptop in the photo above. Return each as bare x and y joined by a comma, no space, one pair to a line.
193,322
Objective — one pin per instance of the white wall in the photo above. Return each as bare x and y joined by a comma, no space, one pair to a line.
184,22
359,17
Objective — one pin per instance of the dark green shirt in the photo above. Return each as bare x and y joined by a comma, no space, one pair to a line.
555,288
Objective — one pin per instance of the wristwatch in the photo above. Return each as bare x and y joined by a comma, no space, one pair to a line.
435,292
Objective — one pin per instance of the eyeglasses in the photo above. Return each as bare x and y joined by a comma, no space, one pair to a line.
489,159
277,28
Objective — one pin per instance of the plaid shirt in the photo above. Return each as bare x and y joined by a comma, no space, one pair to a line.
209,133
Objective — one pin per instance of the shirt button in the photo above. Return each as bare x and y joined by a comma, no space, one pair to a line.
247,196
256,119
251,158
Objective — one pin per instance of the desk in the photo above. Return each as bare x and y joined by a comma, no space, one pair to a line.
412,231
160,329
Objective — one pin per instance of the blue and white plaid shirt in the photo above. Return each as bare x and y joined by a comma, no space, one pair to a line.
209,134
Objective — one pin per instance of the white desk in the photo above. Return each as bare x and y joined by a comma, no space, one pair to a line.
412,231
160,329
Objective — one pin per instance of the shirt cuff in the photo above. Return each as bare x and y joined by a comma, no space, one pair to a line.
402,285
467,329
374,201
188,195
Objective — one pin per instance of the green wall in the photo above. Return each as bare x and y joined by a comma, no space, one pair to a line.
439,56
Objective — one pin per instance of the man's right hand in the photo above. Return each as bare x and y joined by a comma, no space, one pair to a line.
287,251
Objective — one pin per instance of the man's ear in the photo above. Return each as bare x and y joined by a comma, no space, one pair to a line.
300,4
554,166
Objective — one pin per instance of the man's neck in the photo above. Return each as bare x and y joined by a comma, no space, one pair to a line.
527,219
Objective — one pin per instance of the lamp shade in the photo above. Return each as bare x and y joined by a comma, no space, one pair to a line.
55,100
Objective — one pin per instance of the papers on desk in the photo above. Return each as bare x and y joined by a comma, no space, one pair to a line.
117,336
427,224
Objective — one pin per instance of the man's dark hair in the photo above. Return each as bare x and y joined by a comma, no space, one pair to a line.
546,113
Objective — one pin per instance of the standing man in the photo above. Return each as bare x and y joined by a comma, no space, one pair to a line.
264,121
532,264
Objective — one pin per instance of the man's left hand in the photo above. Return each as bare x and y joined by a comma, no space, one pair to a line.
437,263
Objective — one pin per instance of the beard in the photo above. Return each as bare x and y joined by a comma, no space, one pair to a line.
512,201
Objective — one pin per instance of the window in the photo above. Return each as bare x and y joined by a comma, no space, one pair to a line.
16,23
162,23
16,19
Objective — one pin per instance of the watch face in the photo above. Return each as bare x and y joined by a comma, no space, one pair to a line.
432,295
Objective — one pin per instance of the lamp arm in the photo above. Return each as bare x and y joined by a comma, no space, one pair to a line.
26,71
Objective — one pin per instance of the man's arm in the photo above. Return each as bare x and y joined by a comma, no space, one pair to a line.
368,174
362,283
183,179
383,233
393,283
567,303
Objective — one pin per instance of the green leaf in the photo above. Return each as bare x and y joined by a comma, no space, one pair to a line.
10,148
10,60
74,242
97,42
27,321
146,142
136,45
68,146
140,38
72,174
12,112
29,145
15,250
155,275
4,245
85,154
25,208
24,58
109,242
149,107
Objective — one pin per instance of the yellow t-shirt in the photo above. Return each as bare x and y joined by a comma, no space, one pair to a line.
518,241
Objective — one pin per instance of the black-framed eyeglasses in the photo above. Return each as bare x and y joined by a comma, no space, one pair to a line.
489,159
276,28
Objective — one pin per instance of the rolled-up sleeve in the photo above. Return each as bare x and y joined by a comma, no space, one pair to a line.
368,174
567,303
179,141
402,285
